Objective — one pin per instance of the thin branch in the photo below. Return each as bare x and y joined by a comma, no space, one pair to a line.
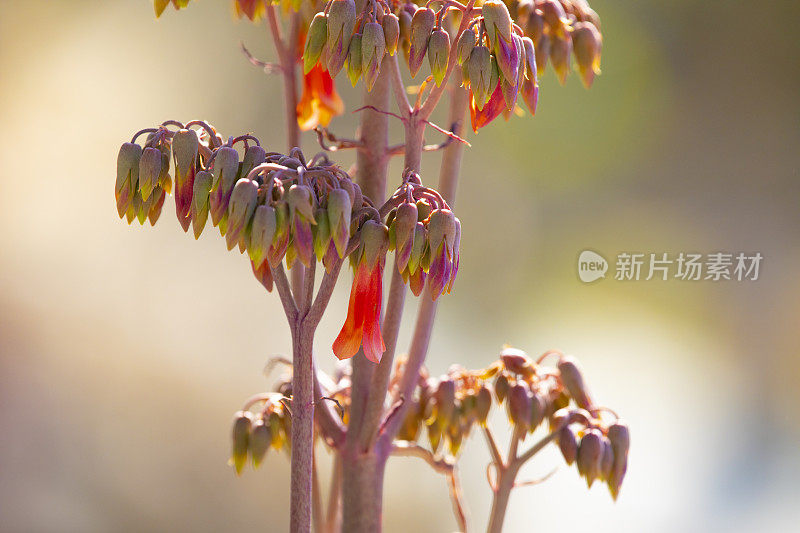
398,88
285,292
493,449
457,499
373,108
544,441
450,134
337,144
328,422
269,68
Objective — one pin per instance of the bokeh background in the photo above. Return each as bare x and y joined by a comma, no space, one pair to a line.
125,350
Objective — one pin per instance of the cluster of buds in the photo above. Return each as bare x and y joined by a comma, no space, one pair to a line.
354,35
498,64
448,407
252,9
270,205
254,433
534,393
425,235
559,29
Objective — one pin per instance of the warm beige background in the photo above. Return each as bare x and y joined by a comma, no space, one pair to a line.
125,350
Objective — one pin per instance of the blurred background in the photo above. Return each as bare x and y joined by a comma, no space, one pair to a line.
124,351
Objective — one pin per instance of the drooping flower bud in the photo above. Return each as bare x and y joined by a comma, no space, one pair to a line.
555,17
263,274
438,52
441,240
465,45
538,407
568,444
560,50
262,233
501,387
620,439
127,176
315,41
253,156
606,459
242,423
280,242
587,43
479,66
260,441
339,213
483,403
185,145
403,228
572,378
519,406
590,453
391,32
517,361
301,214
322,233
373,48
240,209
149,171
355,61
497,21
157,203
341,22
421,27
200,196
224,171
445,397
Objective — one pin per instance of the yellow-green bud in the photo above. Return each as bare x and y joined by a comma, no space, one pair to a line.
479,66
127,176
497,21
465,45
354,64
341,22
149,171
373,47
391,32
421,27
200,194
438,52
242,423
260,441
315,41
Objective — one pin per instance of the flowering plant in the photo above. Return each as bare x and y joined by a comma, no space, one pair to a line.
288,212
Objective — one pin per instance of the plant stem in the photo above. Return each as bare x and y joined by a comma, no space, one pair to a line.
302,429
362,480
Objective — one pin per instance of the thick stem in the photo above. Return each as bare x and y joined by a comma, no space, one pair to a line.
302,430
502,492
362,480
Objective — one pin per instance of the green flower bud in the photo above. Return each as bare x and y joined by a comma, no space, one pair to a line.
375,239
339,213
373,48
260,441
438,52
403,226
262,233
391,32
149,171
445,397
157,196
418,248
441,227
542,53
185,145
299,199
455,436
497,21
322,234
421,27
435,435
242,423
465,45
341,22
240,209
253,156
355,60
127,176
479,66
315,41
226,168
200,195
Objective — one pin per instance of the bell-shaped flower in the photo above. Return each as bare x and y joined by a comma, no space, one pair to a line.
319,102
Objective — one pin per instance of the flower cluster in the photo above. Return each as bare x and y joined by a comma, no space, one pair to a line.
254,433
425,235
271,205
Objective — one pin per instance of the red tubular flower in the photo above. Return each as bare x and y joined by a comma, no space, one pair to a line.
492,109
319,102
362,327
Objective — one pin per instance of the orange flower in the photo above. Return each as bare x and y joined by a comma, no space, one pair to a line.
319,102
492,109
363,323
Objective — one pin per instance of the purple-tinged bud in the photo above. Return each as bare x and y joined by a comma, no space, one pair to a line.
282,231
534,27
276,427
555,17
531,72
479,66
260,441
620,439
542,53
142,207
530,95
483,403
262,233
404,22
418,247
507,53
315,41
164,179
322,234
355,61
416,281
373,48
590,452
517,361
200,196
240,209
403,226
375,240
185,145
339,213
606,460
445,397
127,176
438,53
157,203
253,156
435,435
300,201
133,206
519,406
560,50
501,387
497,21
226,167
263,274
587,44
568,444
391,32
538,407
510,92
421,27
465,45
441,228
341,22
242,423
572,378
149,171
